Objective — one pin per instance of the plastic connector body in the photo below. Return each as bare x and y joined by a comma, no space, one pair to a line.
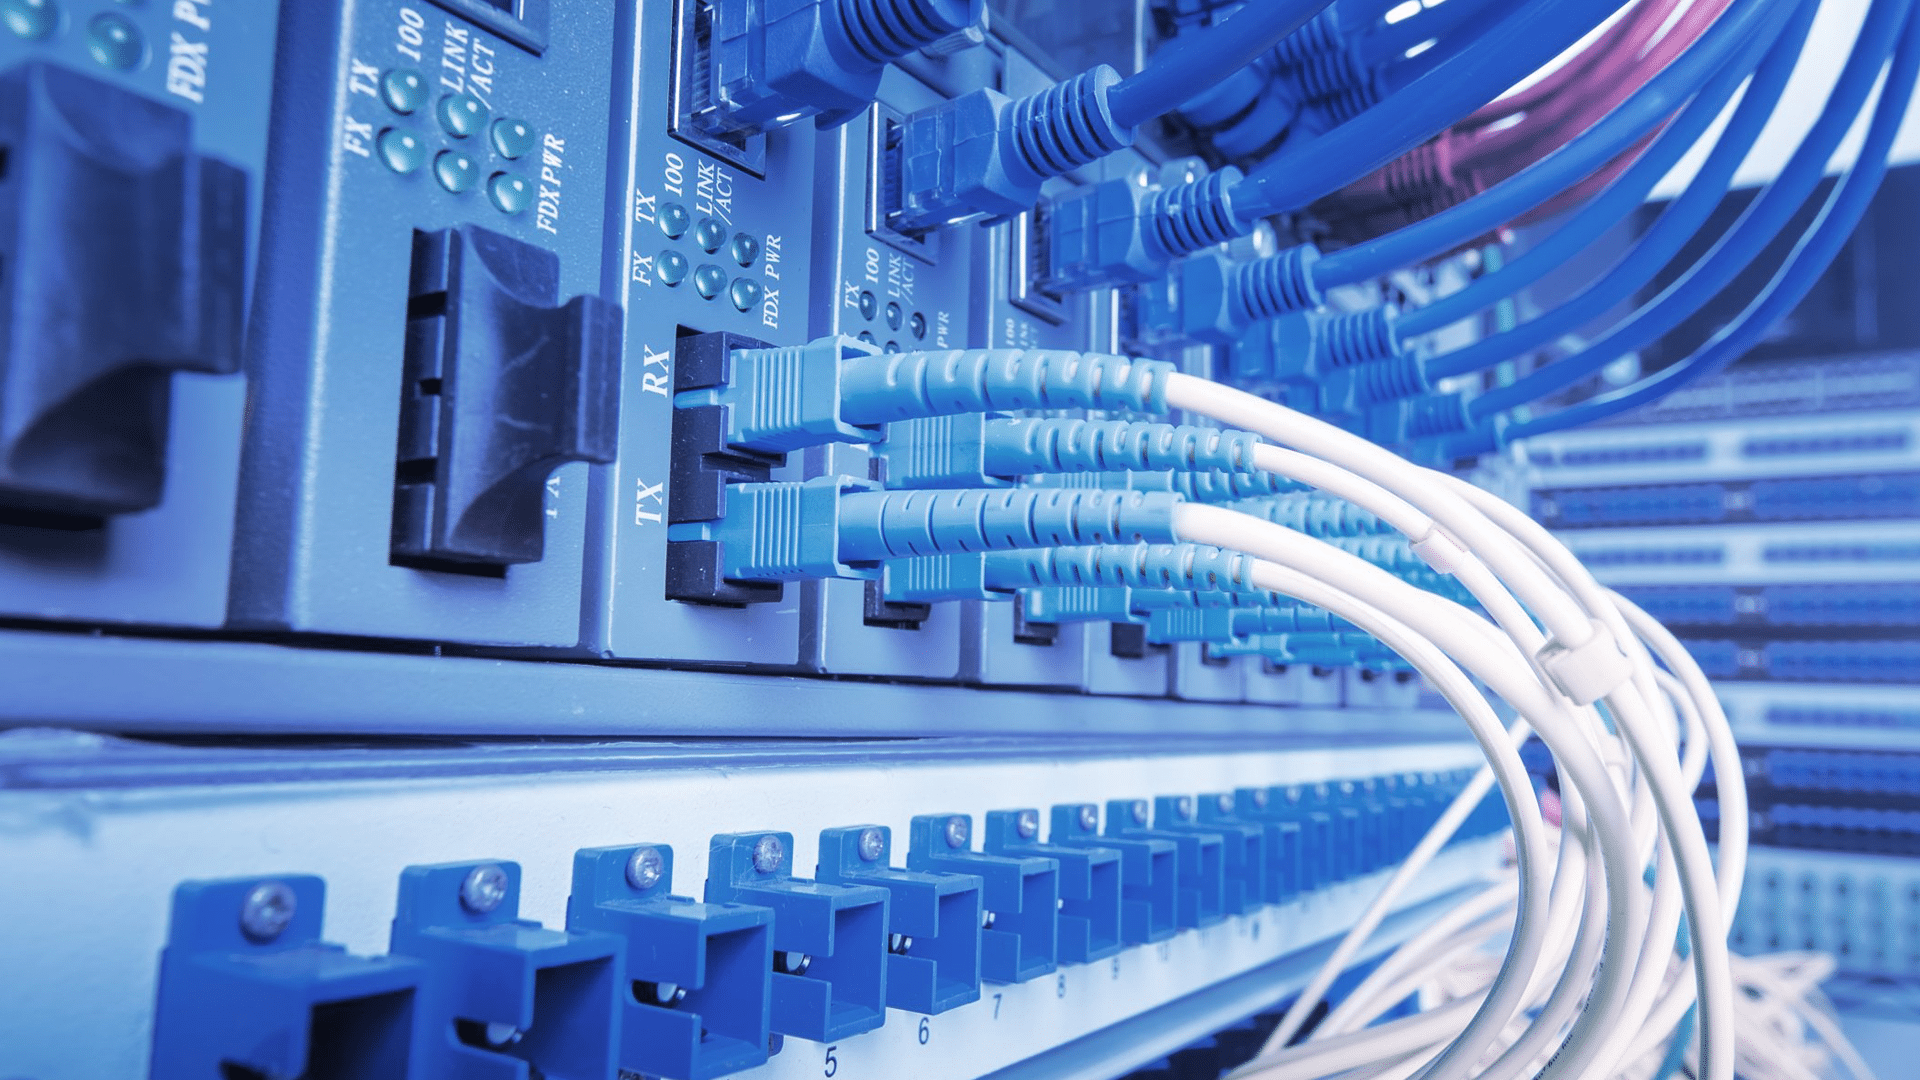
1202,862
1019,932
1243,847
829,941
1226,625
839,527
1149,872
777,61
1089,883
1220,299
1317,867
774,400
700,975
986,154
517,998
933,922
248,987
978,450
1130,229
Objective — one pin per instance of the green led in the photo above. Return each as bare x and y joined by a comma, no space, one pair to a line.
462,115
674,220
670,268
114,41
509,193
891,346
404,89
745,293
512,138
893,315
455,171
30,19
744,249
868,305
402,151
709,279
867,336
918,326
709,234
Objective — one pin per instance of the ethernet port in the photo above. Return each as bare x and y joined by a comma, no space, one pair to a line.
1027,263
694,117
886,162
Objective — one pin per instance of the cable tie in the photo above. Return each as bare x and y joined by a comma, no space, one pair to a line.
1588,671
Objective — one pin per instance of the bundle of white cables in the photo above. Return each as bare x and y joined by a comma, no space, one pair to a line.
1598,974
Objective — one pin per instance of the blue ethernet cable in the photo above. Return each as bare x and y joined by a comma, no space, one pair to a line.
1630,189
1329,103
1506,52
1742,242
1663,240
1645,110
1195,62
1809,259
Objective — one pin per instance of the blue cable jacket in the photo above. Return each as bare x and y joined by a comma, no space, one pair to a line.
1391,40
1791,283
1630,190
1740,244
1658,99
1507,52
1193,63
1677,223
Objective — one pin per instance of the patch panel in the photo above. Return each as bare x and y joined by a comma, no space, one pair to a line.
1862,607
553,898
1796,553
1839,716
122,438
1829,800
1765,446
1854,383
1810,661
1825,498
1862,909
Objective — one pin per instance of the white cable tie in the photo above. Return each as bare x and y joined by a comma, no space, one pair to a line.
1438,550
1588,671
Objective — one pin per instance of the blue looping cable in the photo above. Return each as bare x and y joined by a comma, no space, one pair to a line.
1193,63
1740,244
1795,278
1646,109
1505,53
1630,189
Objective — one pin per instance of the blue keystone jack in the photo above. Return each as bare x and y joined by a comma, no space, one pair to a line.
829,941
699,976
1019,933
1149,872
1202,863
1243,845
503,997
933,925
1089,883
247,986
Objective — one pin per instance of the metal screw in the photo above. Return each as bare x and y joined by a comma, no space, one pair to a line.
645,868
484,889
873,844
1260,798
1089,817
1184,806
1139,811
1224,802
660,993
958,831
986,920
267,911
768,854
1028,824
792,962
898,944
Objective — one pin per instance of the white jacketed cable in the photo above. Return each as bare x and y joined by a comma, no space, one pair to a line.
1437,619
1492,904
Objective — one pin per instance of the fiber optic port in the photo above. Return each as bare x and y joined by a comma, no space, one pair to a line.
1202,862
1089,883
523,22
1149,872
698,976
933,925
248,989
1019,933
695,117
830,941
1027,266
886,185
703,464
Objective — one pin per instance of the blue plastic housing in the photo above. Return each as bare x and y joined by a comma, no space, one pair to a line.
933,920
1019,936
